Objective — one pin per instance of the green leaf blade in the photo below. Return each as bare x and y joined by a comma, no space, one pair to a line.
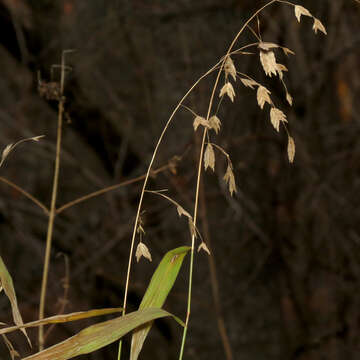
8,286
99,335
160,285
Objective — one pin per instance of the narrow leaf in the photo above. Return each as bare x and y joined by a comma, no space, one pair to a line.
160,285
99,335
63,318
8,286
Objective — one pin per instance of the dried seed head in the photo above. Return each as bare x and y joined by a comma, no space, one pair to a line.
203,246
229,68
209,157
230,180
318,26
276,116
215,123
229,90
280,68
11,147
199,120
266,46
249,83
300,10
49,90
287,51
268,62
291,149
142,250
262,96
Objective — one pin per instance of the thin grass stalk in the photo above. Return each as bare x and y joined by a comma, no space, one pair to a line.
200,166
52,206
26,194
144,188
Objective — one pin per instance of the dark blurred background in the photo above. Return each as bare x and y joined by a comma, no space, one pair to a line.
284,276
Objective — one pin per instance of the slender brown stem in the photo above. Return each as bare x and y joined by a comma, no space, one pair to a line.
109,188
52,206
26,194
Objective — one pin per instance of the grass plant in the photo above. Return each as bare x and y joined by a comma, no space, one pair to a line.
226,77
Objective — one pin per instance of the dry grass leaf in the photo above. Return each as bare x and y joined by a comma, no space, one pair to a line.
262,96
318,26
230,180
300,10
8,286
276,115
209,157
203,246
249,83
291,149
228,90
289,98
199,120
142,250
182,211
229,68
268,62
215,123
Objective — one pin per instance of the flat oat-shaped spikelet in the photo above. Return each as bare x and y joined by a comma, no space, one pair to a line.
229,90
262,96
230,180
268,62
300,10
209,157
291,149
318,26
276,115
229,68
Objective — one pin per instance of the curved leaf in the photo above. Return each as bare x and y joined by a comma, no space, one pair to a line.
160,285
99,335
